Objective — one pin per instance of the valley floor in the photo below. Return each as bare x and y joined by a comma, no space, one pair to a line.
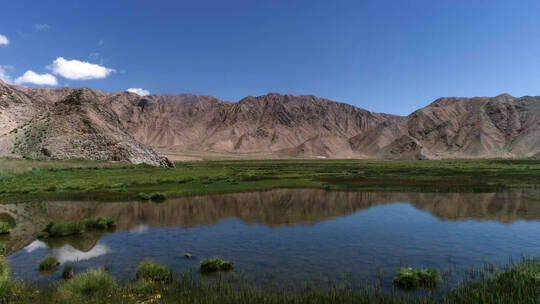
26,180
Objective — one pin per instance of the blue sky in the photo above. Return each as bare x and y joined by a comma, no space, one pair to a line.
385,56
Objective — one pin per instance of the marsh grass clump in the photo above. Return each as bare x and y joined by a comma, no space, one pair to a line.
67,272
5,227
408,278
8,288
4,271
100,223
149,270
60,229
153,196
216,264
91,284
157,197
57,229
48,264
520,283
188,255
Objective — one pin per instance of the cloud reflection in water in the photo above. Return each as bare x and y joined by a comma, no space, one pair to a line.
67,253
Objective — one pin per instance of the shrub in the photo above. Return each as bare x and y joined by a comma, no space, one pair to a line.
152,271
409,278
4,227
48,263
216,264
93,283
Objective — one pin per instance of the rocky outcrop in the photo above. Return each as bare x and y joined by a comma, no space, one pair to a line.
72,123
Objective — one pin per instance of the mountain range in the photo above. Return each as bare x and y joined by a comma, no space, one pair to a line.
63,123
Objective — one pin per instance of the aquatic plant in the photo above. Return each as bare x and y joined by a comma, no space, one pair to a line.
187,255
56,229
516,284
4,271
93,283
8,289
4,227
67,272
216,264
100,223
59,229
48,263
409,278
153,271
153,196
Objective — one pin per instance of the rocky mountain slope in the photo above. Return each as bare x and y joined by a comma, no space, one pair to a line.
67,123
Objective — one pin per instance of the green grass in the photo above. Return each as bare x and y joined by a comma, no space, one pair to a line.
215,264
62,229
93,284
67,272
83,180
516,284
148,270
408,278
48,264
5,227
153,196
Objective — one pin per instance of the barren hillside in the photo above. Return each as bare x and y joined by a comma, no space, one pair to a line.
68,123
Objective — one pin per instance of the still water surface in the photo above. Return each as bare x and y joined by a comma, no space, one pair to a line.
287,236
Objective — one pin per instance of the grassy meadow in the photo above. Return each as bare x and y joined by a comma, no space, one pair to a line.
25,180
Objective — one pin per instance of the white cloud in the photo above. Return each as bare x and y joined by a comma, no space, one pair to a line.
138,91
3,40
78,70
35,78
67,253
37,244
94,55
41,27
3,73
139,229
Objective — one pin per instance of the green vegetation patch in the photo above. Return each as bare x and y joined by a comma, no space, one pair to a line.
22,180
48,264
5,227
516,284
67,272
216,264
408,278
149,270
153,196
61,229
96,284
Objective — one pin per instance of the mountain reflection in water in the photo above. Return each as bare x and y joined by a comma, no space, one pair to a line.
273,208
287,235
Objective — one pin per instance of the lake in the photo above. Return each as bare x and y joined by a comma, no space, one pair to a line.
286,236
